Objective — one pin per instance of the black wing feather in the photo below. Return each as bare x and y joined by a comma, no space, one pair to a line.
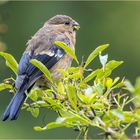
28,73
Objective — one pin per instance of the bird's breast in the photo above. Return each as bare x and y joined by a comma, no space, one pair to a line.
64,64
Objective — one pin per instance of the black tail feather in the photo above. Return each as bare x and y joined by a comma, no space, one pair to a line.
12,110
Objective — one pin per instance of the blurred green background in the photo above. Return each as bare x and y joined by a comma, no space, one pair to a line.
116,23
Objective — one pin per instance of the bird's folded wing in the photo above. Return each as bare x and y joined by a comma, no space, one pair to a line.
28,73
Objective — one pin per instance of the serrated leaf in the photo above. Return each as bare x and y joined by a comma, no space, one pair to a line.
42,68
67,49
4,86
94,54
10,61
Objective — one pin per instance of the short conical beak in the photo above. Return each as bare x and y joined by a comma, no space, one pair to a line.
76,26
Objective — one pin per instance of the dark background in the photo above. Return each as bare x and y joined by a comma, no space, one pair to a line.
116,23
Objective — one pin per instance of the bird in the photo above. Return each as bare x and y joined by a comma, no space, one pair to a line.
41,47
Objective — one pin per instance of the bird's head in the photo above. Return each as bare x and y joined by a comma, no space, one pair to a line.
64,22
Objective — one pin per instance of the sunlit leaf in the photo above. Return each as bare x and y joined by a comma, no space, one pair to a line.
109,83
94,54
118,113
67,49
99,88
55,104
129,116
137,86
116,80
129,86
51,125
73,69
34,111
97,105
10,61
72,96
42,68
63,72
91,75
113,64
33,95
110,66
4,86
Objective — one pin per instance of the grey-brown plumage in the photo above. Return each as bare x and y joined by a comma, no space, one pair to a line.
41,47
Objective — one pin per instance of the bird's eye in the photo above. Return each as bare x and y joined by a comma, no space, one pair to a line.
67,23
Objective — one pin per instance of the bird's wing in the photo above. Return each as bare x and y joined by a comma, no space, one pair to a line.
49,56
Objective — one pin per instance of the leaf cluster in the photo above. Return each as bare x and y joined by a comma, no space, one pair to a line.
83,97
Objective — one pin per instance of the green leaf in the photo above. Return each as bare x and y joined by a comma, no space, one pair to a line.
10,61
43,68
113,64
137,86
98,105
91,75
110,66
116,80
67,49
4,86
99,88
129,116
83,98
72,96
51,126
118,113
109,82
33,95
94,54
73,69
55,104
34,111
129,86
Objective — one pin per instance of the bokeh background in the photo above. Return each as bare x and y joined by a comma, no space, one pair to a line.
116,23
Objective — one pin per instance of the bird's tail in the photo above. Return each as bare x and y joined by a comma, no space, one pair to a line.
12,110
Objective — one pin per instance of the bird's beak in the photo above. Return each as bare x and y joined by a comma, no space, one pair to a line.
76,26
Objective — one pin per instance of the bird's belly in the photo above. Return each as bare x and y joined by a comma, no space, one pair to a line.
64,64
